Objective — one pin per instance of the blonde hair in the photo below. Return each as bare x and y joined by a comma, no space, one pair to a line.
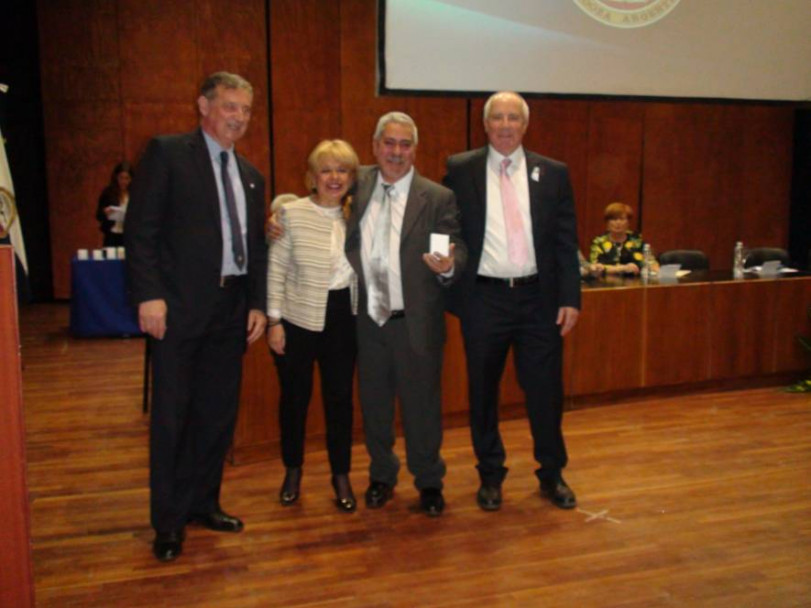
617,210
330,149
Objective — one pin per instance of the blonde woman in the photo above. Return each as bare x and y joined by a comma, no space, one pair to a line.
312,303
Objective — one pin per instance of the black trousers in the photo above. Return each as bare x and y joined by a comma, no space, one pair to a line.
195,396
334,349
111,239
495,318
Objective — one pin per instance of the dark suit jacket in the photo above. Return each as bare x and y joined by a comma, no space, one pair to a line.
429,208
554,227
173,232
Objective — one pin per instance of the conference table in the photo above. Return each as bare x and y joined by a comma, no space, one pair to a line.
701,328
98,300
633,337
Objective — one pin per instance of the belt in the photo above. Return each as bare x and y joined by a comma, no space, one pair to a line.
397,314
230,280
509,282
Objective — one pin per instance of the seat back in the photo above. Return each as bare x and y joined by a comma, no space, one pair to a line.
690,259
758,255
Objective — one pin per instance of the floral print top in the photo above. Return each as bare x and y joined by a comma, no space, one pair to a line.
605,251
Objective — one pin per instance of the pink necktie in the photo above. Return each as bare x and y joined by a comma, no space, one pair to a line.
516,239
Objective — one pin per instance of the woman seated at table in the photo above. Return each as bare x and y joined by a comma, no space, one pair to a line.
619,250
112,206
312,300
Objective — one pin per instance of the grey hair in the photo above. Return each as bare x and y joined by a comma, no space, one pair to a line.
494,96
400,118
226,80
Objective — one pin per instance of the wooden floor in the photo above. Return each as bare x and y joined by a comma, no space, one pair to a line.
700,500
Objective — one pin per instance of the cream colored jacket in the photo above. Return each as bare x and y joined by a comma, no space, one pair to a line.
300,265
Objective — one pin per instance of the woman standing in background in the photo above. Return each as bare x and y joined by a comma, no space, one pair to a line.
112,207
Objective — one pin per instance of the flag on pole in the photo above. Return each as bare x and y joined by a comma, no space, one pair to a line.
9,218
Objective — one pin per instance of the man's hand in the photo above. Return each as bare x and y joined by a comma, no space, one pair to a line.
276,339
256,324
439,263
567,319
152,318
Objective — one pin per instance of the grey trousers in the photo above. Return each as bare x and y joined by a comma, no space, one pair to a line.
388,367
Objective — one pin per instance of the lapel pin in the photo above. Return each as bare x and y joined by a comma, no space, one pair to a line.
252,185
536,174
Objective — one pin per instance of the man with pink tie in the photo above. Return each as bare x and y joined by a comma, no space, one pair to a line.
521,288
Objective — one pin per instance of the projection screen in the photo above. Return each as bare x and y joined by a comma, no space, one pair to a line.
724,49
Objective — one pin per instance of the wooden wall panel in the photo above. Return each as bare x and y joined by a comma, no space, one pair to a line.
117,72
708,183
763,176
614,165
82,121
305,72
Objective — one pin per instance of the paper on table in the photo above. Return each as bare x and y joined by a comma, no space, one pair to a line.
116,213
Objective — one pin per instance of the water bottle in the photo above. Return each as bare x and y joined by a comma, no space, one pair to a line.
737,261
646,262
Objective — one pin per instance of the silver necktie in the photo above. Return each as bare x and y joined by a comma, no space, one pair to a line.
379,302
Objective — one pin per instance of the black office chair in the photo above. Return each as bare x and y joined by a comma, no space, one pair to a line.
690,259
758,255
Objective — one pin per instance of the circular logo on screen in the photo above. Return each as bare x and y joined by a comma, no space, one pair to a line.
626,13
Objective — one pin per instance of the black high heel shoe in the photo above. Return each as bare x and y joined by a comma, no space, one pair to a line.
344,498
290,486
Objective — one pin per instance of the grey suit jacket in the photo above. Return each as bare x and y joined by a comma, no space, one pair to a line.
554,226
430,207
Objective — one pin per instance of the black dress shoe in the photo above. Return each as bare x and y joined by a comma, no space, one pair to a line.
489,497
431,501
556,490
290,486
344,497
378,494
219,521
168,545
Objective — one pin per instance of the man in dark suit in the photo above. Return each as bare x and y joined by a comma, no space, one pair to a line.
521,289
401,324
197,263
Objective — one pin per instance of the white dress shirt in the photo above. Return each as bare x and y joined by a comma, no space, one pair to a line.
397,197
495,260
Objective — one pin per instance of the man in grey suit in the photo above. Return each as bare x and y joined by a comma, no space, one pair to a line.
521,290
197,261
401,324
